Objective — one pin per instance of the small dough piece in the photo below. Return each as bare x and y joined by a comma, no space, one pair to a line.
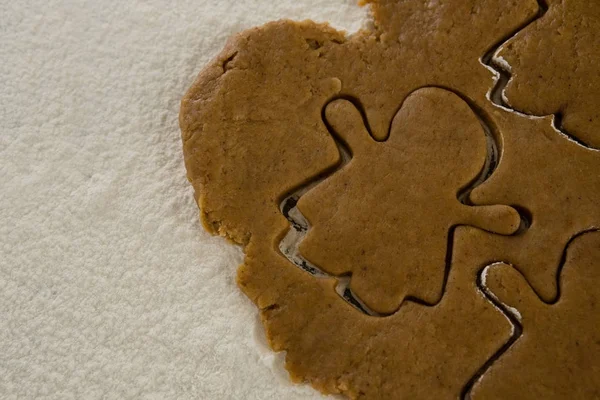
558,353
387,215
555,63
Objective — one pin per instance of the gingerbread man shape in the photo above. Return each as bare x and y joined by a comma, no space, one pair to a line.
387,216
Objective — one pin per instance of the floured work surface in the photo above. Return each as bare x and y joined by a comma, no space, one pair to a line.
407,232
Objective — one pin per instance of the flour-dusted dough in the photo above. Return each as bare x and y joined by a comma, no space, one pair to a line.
555,63
256,127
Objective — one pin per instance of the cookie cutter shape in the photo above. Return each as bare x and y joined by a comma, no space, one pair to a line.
386,216
555,67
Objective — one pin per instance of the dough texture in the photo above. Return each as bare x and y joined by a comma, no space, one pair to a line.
450,214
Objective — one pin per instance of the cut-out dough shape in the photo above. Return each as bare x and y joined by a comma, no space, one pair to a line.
558,353
555,66
386,216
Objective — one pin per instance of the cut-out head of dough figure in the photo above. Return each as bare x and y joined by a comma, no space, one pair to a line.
555,66
387,216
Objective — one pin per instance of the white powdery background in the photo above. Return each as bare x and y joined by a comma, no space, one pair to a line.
109,287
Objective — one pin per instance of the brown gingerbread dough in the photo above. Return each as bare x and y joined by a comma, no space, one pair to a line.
557,353
555,66
253,132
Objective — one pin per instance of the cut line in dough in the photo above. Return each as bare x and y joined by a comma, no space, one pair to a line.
299,225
